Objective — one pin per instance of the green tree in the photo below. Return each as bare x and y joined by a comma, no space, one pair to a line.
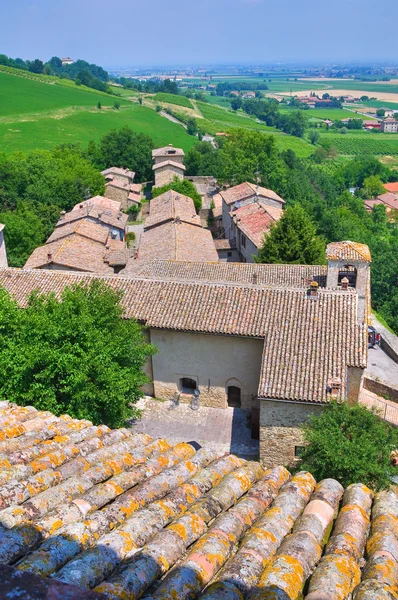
182,186
127,149
36,66
99,105
24,231
313,136
380,112
293,240
116,105
77,356
236,103
350,444
372,187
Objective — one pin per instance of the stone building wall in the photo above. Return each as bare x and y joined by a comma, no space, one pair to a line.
165,175
178,158
3,253
213,361
118,194
280,430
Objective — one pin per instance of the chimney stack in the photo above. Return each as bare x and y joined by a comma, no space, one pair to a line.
314,289
255,278
344,283
49,256
334,386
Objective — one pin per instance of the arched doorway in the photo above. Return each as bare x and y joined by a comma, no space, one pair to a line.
234,396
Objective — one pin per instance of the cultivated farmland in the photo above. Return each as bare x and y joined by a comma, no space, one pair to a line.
173,99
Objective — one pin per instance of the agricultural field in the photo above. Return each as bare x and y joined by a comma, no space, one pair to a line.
381,104
173,99
333,114
352,84
380,144
226,118
21,96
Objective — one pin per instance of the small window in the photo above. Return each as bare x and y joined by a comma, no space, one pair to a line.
188,385
229,254
243,241
298,451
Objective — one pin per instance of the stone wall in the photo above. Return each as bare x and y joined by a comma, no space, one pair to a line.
280,430
213,361
118,194
165,175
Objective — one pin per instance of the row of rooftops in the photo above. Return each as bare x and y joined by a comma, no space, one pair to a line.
268,302
84,238
87,513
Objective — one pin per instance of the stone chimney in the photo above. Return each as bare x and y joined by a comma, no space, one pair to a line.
344,283
313,291
49,256
3,253
255,278
335,386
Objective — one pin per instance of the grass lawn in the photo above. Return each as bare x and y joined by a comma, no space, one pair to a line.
84,126
21,96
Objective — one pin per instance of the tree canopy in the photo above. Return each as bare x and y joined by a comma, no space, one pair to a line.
293,240
350,444
77,356
124,148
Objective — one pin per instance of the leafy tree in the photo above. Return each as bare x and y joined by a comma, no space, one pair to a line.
77,356
182,186
380,112
127,149
99,105
36,66
236,103
293,240
23,233
203,159
192,126
116,105
350,444
372,187
313,136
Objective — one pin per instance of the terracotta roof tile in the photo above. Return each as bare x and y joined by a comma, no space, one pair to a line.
166,150
168,163
98,212
296,276
246,190
83,227
72,252
128,515
389,199
101,202
254,220
225,244
350,251
391,187
171,206
119,172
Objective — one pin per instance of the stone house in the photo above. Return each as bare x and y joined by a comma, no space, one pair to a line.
227,250
250,223
90,238
242,195
120,187
389,125
278,340
168,163
3,253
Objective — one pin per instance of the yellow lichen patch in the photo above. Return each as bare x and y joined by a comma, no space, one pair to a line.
5,464
55,526
130,508
116,488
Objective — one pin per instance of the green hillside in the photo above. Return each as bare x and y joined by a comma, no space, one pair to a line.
19,95
38,115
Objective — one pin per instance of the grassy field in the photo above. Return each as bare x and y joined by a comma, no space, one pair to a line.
381,104
226,118
84,126
173,99
352,84
333,114
19,96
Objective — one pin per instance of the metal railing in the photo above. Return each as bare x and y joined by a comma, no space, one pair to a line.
385,409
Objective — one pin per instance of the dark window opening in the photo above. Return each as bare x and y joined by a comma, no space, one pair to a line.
229,254
243,241
188,385
350,273
234,398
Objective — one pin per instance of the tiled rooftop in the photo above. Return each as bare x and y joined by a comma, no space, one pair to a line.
348,251
246,190
254,220
293,276
126,516
294,325
391,187
119,172
103,212
84,227
168,163
101,202
171,206
167,150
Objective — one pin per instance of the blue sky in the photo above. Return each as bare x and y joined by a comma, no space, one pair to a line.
147,32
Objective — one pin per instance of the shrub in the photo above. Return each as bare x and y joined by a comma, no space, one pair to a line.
130,238
351,444
133,211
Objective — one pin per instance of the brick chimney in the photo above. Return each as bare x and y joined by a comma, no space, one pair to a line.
314,289
334,386
344,283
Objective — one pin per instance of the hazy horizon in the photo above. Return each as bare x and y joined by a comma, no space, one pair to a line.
129,34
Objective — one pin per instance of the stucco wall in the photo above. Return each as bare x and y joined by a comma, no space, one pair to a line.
3,253
211,360
165,175
280,430
249,249
178,158
223,256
